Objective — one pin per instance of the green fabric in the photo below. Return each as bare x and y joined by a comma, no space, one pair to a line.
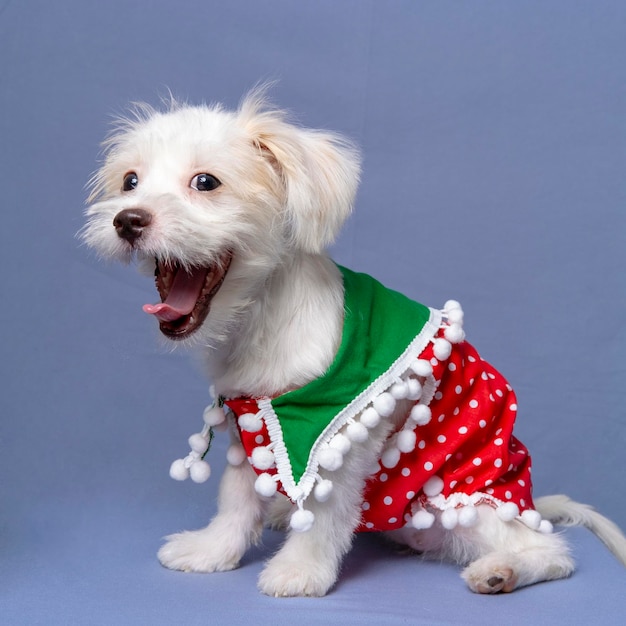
379,324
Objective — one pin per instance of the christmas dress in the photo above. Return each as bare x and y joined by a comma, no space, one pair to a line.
454,451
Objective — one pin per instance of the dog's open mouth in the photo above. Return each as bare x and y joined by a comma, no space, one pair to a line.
186,295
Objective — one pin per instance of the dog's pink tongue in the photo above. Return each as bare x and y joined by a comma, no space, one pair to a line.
182,297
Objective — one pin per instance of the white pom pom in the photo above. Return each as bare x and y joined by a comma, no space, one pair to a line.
385,404
262,458
370,418
454,333
322,490
449,519
422,367
420,414
451,304
422,520
442,349
406,441
414,389
468,516
531,518
507,511
200,471
357,432
213,415
250,423
433,486
546,527
265,485
330,459
390,457
399,391
340,442
178,471
236,455
301,521
198,443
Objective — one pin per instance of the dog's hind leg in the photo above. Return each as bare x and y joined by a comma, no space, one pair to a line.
221,545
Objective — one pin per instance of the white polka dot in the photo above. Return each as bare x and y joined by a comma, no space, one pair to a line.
498,431
484,376
477,461
471,359
482,423
410,495
434,362
508,495
421,445
463,430
491,397
521,482
441,439
438,395
471,381
498,462
522,502
491,376
259,439
513,407
369,525
452,367
499,393
511,467
448,456
452,484
489,491
365,506
473,404
509,387
428,466
441,418
488,482
456,411
458,389
392,520
469,480
387,500
383,477
498,441
406,471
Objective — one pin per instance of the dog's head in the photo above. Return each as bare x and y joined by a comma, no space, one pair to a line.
214,201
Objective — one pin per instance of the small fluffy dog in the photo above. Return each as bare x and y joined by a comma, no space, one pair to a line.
351,408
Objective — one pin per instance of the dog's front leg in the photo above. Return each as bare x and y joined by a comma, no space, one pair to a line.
221,545
308,563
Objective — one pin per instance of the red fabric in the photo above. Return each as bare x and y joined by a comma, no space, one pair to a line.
468,443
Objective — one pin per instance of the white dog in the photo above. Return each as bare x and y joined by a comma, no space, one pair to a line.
366,410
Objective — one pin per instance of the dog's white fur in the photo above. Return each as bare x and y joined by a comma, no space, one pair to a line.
276,324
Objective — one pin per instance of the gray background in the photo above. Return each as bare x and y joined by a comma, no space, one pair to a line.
494,136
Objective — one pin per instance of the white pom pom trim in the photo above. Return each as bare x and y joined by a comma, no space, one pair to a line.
236,454
449,519
442,349
198,443
421,414
422,520
507,511
468,516
422,367
433,486
250,423
262,458
323,490
370,418
265,485
390,458
330,459
406,441
200,471
213,415
357,432
178,470
384,404
301,521
340,442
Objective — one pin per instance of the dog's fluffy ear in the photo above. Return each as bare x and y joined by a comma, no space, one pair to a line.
319,172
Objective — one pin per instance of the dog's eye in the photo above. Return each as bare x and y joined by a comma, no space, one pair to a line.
130,181
204,182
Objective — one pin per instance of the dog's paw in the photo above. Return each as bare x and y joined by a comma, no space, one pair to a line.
490,574
283,578
199,551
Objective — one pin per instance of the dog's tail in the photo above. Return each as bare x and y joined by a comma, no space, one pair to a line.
563,511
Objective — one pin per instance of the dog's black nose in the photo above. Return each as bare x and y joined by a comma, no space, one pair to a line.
130,223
